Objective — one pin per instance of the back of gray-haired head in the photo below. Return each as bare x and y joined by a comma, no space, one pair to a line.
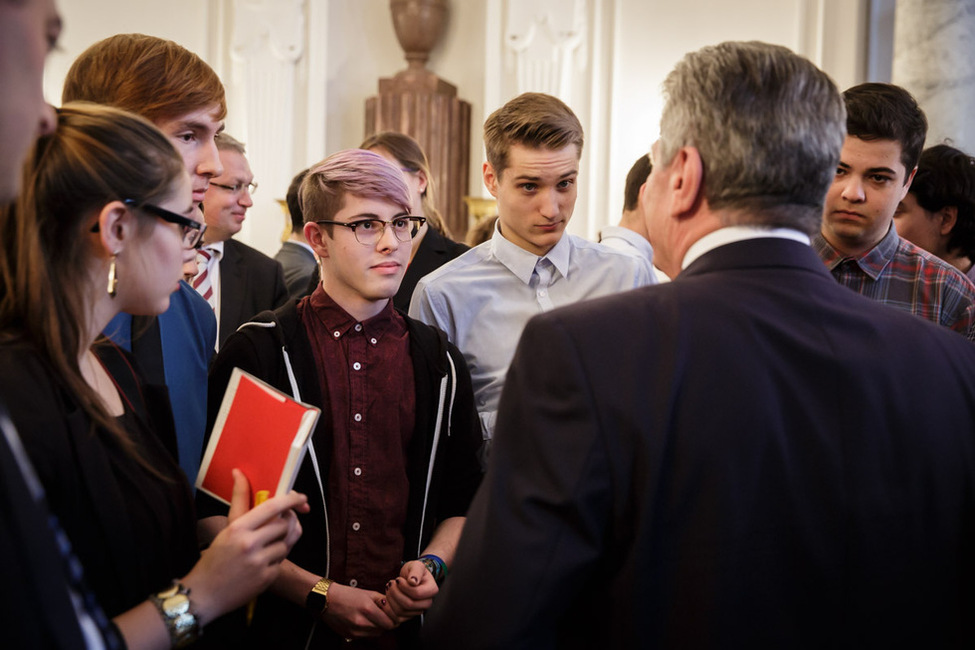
769,126
227,142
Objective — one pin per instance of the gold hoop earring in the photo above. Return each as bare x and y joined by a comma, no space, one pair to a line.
112,278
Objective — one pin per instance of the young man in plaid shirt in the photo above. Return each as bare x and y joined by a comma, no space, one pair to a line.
858,243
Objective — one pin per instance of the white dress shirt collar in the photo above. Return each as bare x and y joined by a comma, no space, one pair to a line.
732,234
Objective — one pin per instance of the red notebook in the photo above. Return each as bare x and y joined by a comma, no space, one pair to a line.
260,431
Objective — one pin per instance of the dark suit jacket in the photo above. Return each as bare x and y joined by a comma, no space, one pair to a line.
250,282
749,456
435,251
299,265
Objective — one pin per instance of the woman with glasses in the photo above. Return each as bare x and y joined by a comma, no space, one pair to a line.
433,246
102,225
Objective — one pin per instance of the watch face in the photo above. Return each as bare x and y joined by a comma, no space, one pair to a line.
176,605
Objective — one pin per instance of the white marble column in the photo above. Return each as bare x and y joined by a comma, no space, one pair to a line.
267,44
551,46
934,42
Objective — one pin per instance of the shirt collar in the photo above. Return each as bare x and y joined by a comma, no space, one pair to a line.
303,245
522,263
872,262
339,322
216,248
733,234
633,238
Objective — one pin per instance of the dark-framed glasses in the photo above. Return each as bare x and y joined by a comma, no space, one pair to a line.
238,188
369,231
192,230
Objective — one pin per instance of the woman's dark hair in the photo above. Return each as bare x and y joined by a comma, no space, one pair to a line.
96,155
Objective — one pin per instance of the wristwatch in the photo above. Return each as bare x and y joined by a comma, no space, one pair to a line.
316,603
174,605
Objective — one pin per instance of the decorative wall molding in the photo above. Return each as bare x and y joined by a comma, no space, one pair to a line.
545,42
266,45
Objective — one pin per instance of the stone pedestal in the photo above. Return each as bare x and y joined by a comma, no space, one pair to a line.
422,105
933,45
441,123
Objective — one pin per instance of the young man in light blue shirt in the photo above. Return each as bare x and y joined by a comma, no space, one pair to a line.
484,298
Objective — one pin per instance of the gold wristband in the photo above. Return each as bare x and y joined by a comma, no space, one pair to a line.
316,603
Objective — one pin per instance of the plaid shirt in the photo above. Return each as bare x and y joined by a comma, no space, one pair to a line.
900,274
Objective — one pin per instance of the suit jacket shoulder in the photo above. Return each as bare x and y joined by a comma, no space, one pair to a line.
250,282
676,460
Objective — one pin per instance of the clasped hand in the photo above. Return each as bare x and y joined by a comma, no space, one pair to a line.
358,613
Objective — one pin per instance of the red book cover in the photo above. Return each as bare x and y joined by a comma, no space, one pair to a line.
260,431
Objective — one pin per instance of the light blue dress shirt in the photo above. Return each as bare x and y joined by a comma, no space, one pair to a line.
632,243
627,241
484,298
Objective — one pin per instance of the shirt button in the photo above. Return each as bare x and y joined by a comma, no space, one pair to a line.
336,334
357,471
373,341
542,293
353,582
357,366
358,417
358,327
355,525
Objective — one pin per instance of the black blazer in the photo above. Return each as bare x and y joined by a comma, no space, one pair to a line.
435,251
101,496
250,282
749,456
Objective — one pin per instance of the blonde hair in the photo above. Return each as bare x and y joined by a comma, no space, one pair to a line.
534,120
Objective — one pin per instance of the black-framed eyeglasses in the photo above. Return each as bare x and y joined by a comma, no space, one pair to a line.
192,230
369,231
238,188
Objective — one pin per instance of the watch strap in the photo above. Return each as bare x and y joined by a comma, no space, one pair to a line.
176,610
316,603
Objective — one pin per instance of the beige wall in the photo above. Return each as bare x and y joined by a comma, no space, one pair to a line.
629,46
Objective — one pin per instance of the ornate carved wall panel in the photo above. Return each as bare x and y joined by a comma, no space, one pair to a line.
267,43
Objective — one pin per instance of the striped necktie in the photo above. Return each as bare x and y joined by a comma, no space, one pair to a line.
202,280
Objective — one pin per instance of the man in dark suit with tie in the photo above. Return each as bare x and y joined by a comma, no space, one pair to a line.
238,281
749,456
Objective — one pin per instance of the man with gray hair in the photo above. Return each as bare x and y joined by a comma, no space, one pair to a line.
736,458
238,281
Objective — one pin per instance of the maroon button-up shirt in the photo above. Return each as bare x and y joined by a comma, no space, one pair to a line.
366,374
